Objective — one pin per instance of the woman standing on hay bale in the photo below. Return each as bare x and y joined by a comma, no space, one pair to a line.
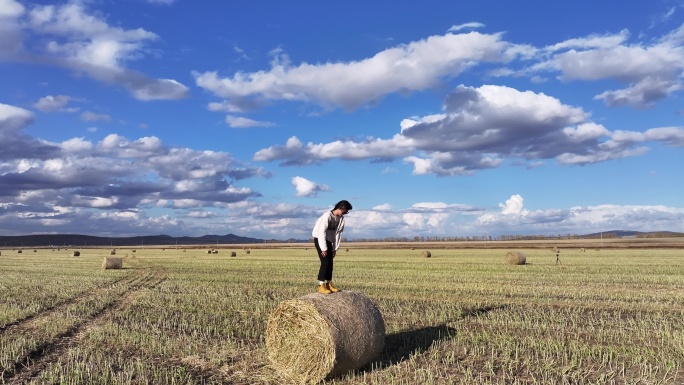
327,233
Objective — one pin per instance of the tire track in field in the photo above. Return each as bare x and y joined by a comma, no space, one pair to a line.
50,351
66,302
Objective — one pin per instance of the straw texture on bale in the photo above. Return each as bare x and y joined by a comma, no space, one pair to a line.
426,254
321,336
77,253
515,258
112,263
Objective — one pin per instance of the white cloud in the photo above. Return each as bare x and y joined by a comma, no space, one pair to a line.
651,72
240,122
307,188
13,118
52,103
411,67
73,38
514,205
481,128
471,25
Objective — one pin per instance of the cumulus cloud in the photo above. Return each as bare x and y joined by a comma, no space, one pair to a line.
479,129
513,206
14,143
515,219
74,38
650,72
62,182
307,188
52,103
410,67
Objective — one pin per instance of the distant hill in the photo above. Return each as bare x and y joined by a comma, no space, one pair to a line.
63,240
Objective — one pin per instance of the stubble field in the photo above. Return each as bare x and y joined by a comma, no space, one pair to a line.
174,316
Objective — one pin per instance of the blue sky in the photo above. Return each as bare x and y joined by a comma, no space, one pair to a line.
433,118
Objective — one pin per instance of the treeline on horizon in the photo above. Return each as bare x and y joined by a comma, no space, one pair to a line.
486,238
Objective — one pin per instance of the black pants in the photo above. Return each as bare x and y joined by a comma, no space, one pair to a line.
326,269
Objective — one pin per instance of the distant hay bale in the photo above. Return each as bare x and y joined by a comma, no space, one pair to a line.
515,258
18,251
582,249
233,254
246,251
112,263
321,336
208,251
77,253
113,252
215,252
34,250
133,250
425,254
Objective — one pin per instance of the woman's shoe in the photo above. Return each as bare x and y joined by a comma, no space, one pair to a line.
332,288
323,289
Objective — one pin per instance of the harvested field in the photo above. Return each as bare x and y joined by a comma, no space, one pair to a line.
612,316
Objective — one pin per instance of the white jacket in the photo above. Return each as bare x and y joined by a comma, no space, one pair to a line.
328,228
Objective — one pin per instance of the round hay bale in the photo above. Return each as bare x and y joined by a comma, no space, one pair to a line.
247,251
321,336
18,251
133,250
112,263
77,253
426,254
233,254
215,252
515,258
208,251
113,252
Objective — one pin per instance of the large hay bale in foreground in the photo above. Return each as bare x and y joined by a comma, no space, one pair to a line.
112,263
426,254
515,258
320,336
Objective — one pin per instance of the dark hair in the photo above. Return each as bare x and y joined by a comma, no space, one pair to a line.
344,205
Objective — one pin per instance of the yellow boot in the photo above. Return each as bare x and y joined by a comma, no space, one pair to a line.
323,289
332,288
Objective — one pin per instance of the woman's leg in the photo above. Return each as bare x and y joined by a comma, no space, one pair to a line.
325,261
330,257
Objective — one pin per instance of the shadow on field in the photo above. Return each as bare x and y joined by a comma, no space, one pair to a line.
400,346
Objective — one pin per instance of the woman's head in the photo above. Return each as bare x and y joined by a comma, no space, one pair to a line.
343,205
